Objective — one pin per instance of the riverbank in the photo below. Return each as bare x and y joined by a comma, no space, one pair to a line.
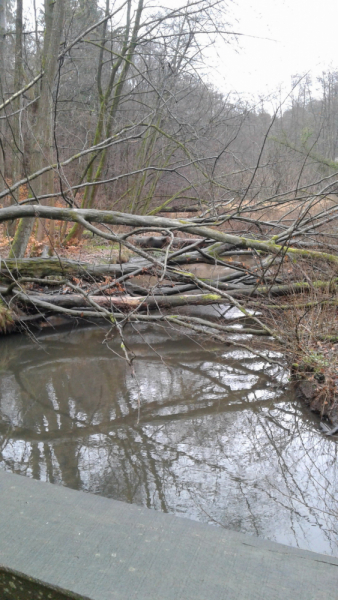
308,326
321,397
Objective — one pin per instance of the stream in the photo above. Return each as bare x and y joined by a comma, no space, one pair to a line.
202,431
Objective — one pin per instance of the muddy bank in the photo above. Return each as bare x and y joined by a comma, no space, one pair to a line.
322,398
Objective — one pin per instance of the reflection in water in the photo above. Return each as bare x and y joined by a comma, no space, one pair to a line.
217,440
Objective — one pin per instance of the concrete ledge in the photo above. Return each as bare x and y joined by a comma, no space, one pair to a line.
102,549
17,586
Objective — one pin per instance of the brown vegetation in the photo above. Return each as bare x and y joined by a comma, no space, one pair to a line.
119,129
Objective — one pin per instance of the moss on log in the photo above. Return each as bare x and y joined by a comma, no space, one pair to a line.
186,225
43,267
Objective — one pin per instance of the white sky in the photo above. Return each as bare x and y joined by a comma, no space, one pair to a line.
306,33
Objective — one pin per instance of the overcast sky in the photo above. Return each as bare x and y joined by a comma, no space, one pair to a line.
305,34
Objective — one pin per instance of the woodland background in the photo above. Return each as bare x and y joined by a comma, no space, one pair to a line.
109,114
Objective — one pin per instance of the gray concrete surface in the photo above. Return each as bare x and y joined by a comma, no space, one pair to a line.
108,550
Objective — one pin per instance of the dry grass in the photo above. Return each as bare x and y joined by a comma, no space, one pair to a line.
308,325
6,319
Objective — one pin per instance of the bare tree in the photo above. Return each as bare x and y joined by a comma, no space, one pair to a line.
141,131
42,125
3,28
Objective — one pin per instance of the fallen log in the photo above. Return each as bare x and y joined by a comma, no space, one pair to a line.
121,302
162,241
177,209
86,216
43,267
12,269
127,302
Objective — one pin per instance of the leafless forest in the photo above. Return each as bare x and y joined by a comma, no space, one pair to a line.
112,128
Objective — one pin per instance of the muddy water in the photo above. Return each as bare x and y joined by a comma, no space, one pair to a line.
217,437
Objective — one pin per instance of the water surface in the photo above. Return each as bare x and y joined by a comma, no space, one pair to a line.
204,432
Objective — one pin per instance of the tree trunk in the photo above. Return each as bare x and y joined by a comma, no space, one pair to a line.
18,80
42,152
17,154
107,115
2,90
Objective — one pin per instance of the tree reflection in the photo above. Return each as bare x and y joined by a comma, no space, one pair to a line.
217,441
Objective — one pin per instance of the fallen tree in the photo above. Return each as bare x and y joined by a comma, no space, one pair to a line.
86,217
153,140
238,269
